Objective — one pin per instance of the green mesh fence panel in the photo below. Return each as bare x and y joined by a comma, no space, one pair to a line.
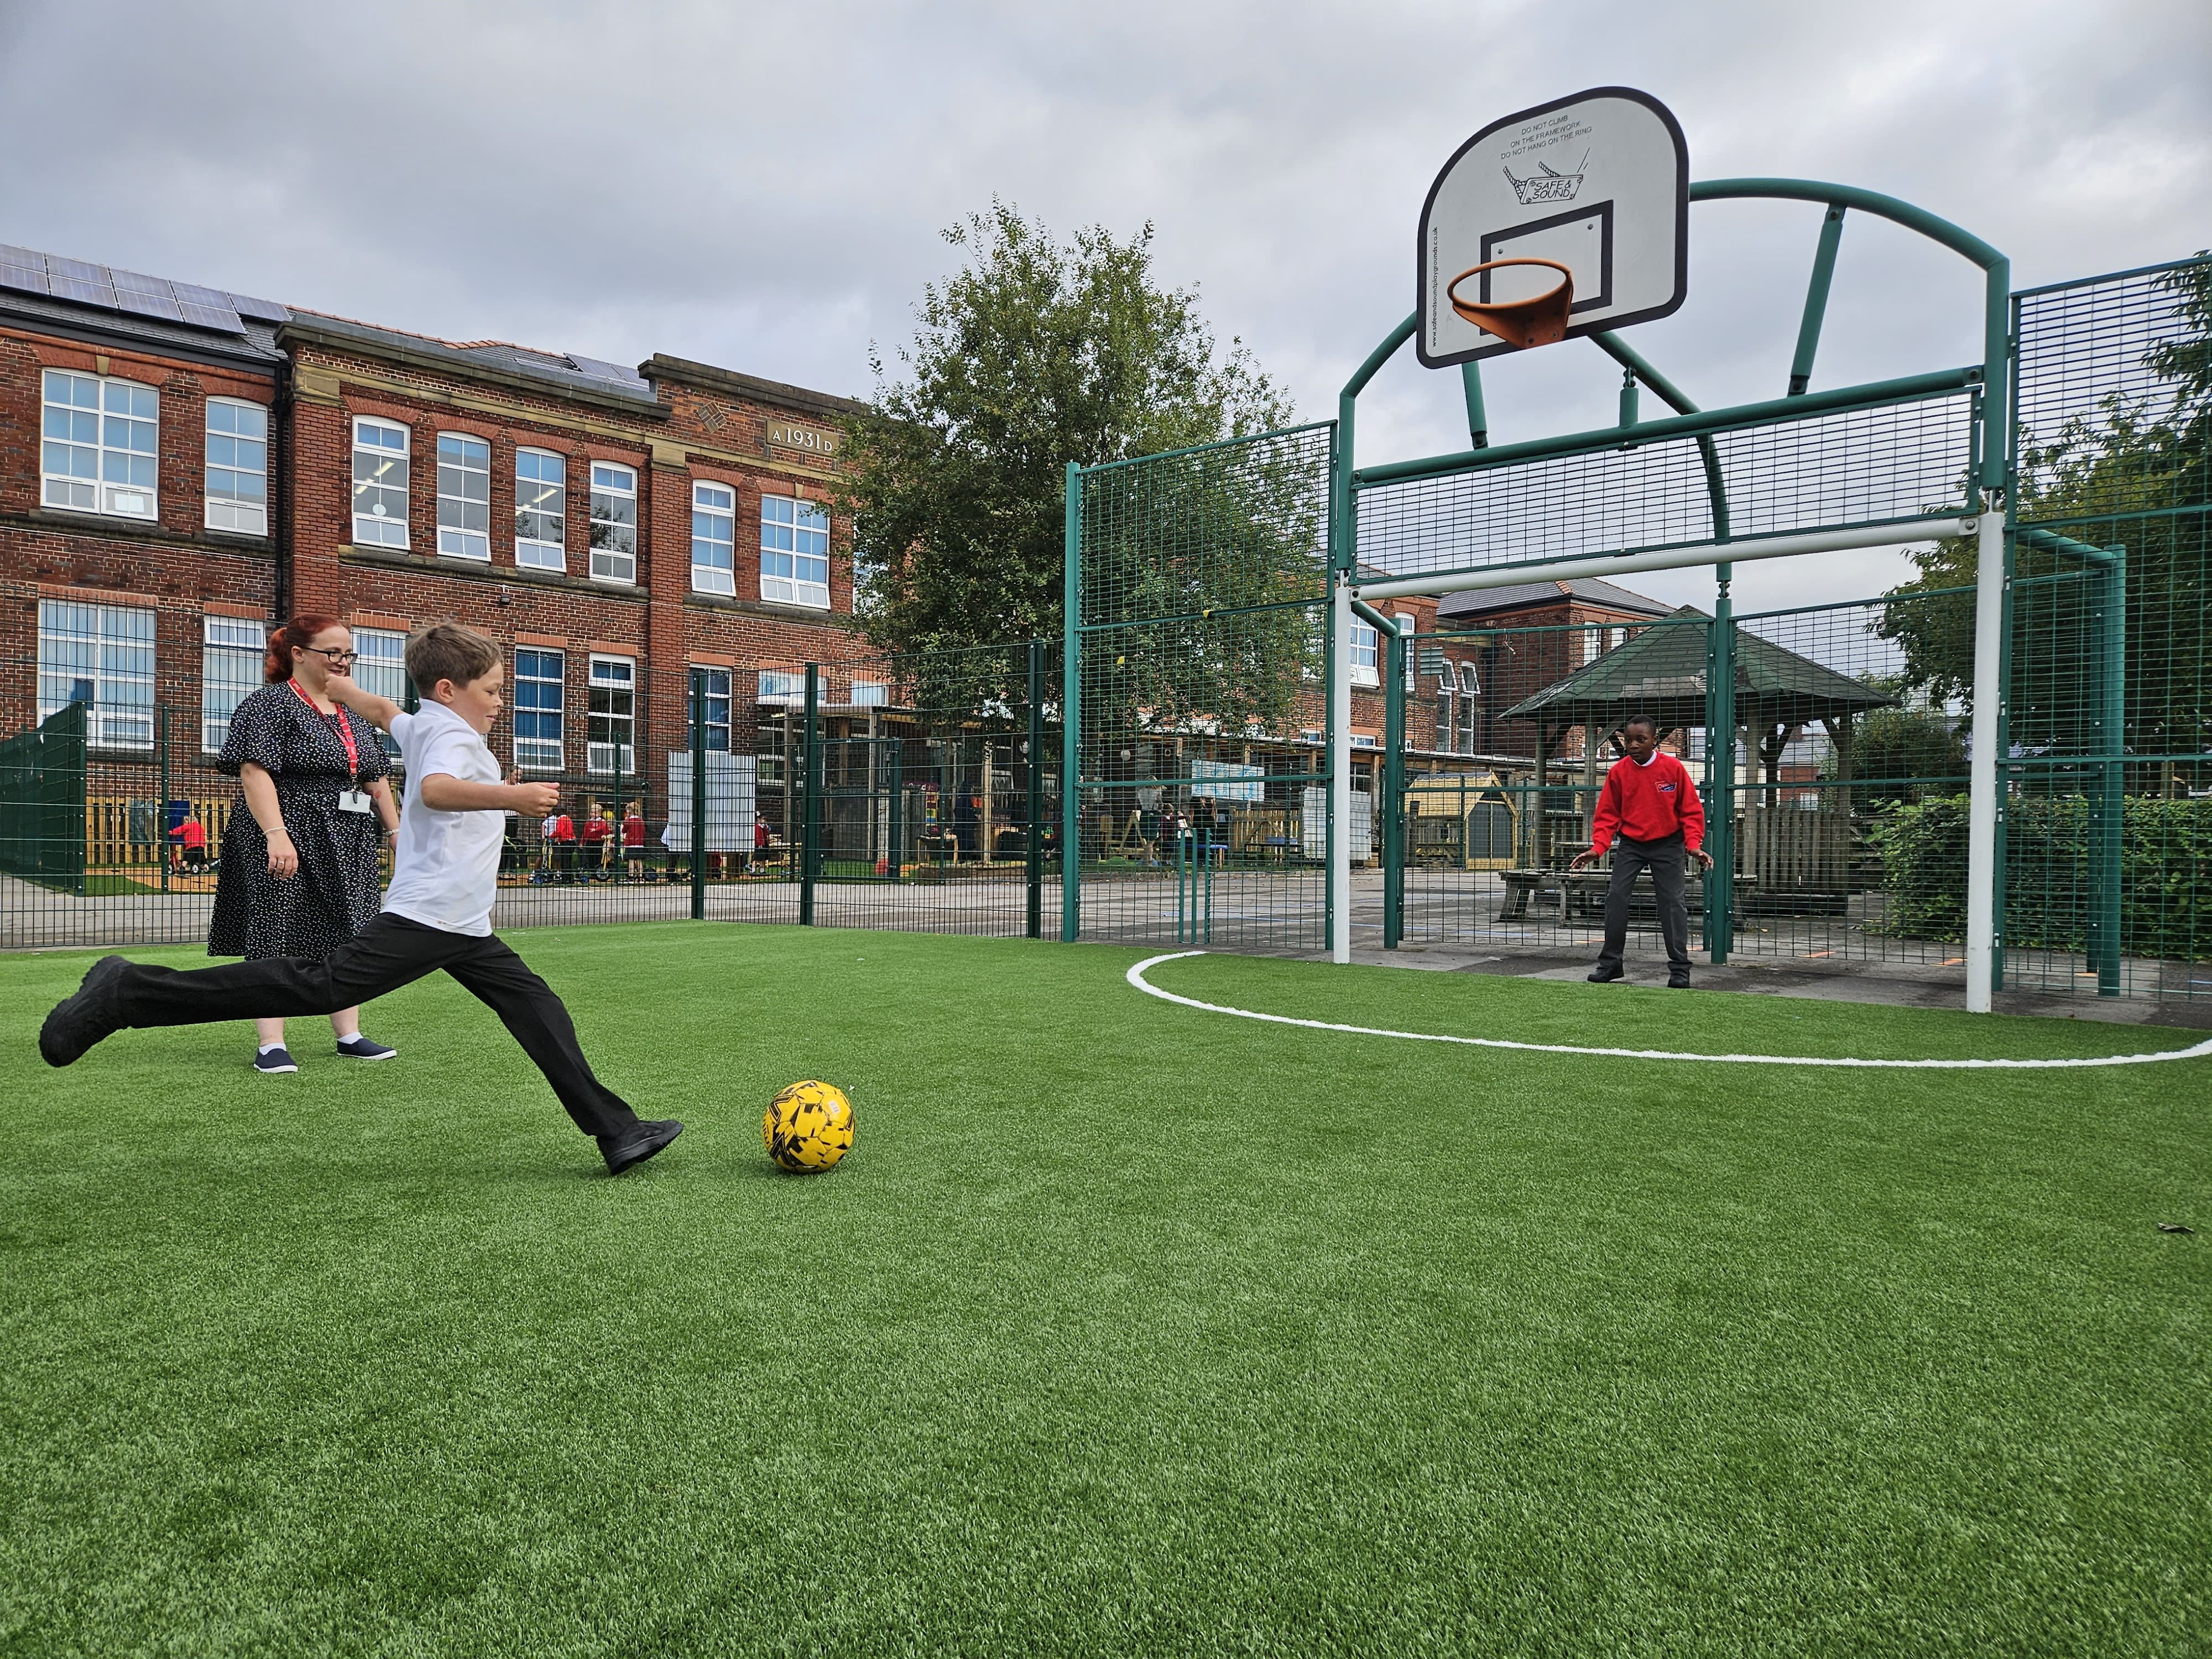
1856,466
937,777
1201,643
2107,835
1509,731
42,801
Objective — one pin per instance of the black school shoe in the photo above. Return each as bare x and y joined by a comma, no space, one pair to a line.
275,1062
1605,976
360,1048
634,1145
78,1022
1679,981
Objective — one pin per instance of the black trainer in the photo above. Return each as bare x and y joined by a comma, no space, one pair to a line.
634,1145
358,1047
78,1022
1679,981
275,1062
1605,975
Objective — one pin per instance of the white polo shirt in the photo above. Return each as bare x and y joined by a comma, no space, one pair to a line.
446,871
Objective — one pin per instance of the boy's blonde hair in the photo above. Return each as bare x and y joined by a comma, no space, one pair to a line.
447,651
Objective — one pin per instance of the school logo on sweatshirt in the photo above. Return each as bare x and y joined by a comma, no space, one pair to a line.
1666,788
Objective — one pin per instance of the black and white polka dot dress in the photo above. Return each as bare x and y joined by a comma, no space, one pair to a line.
339,888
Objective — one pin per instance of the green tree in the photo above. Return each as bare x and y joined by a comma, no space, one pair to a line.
2133,472
1035,354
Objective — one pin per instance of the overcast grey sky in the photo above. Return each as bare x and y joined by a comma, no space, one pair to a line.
761,186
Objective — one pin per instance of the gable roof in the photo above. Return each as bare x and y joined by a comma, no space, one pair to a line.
1661,673
1526,596
586,379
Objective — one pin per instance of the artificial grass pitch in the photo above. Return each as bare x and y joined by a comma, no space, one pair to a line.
1125,1328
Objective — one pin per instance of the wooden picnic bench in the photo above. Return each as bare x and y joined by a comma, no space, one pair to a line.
1583,892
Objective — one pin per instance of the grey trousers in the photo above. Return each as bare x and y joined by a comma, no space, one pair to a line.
1663,859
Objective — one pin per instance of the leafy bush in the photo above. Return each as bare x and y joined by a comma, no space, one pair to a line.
2165,873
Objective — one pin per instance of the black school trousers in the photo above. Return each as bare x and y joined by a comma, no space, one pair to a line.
1663,859
390,953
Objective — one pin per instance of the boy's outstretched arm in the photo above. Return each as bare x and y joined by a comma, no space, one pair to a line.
444,793
380,712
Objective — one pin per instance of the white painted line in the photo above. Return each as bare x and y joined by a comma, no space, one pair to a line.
1136,977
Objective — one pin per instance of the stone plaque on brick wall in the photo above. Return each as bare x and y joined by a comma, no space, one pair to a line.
807,440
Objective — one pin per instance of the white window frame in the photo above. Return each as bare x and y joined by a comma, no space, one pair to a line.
462,539
106,642
540,754
783,688
618,676
530,552
714,577
372,528
232,651
612,483
870,694
379,663
1363,646
1407,623
233,456
791,542
96,458
726,679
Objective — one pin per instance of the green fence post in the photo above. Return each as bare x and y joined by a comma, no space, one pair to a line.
810,797
1071,714
699,794
1393,793
1720,778
1033,841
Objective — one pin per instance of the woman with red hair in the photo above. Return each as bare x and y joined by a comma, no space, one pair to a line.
299,874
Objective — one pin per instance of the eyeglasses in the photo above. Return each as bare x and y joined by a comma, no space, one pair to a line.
331,652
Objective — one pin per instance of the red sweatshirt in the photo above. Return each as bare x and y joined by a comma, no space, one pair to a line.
1648,803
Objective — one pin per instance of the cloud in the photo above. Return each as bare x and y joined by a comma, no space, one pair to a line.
763,186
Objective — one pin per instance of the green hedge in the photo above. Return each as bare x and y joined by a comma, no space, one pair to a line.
2165,874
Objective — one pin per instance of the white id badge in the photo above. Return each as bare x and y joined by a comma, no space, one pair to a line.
355,800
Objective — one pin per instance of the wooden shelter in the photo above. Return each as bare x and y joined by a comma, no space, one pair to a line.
1662,671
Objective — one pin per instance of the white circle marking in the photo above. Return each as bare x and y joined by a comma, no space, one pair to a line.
1136,977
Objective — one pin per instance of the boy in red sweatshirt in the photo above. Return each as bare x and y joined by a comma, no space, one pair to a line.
1647,812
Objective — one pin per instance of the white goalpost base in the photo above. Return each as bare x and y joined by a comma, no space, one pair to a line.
1988,530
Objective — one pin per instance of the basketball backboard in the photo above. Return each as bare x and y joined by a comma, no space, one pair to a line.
1598,182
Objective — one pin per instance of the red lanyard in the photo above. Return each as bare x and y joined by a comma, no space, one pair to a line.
344,729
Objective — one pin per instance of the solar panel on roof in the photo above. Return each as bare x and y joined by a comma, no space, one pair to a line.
262,311
30,257
222,317
25,278
149,305
84,292
600,370
77,270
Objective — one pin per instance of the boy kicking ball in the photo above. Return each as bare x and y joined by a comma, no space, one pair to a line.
437,911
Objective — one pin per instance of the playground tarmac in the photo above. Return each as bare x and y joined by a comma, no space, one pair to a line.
1249,915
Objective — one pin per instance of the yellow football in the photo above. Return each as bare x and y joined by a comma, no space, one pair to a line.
808,1127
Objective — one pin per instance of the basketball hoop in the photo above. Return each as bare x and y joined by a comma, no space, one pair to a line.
1539,321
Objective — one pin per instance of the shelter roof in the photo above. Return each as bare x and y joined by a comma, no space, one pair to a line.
1527,596
1661,673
